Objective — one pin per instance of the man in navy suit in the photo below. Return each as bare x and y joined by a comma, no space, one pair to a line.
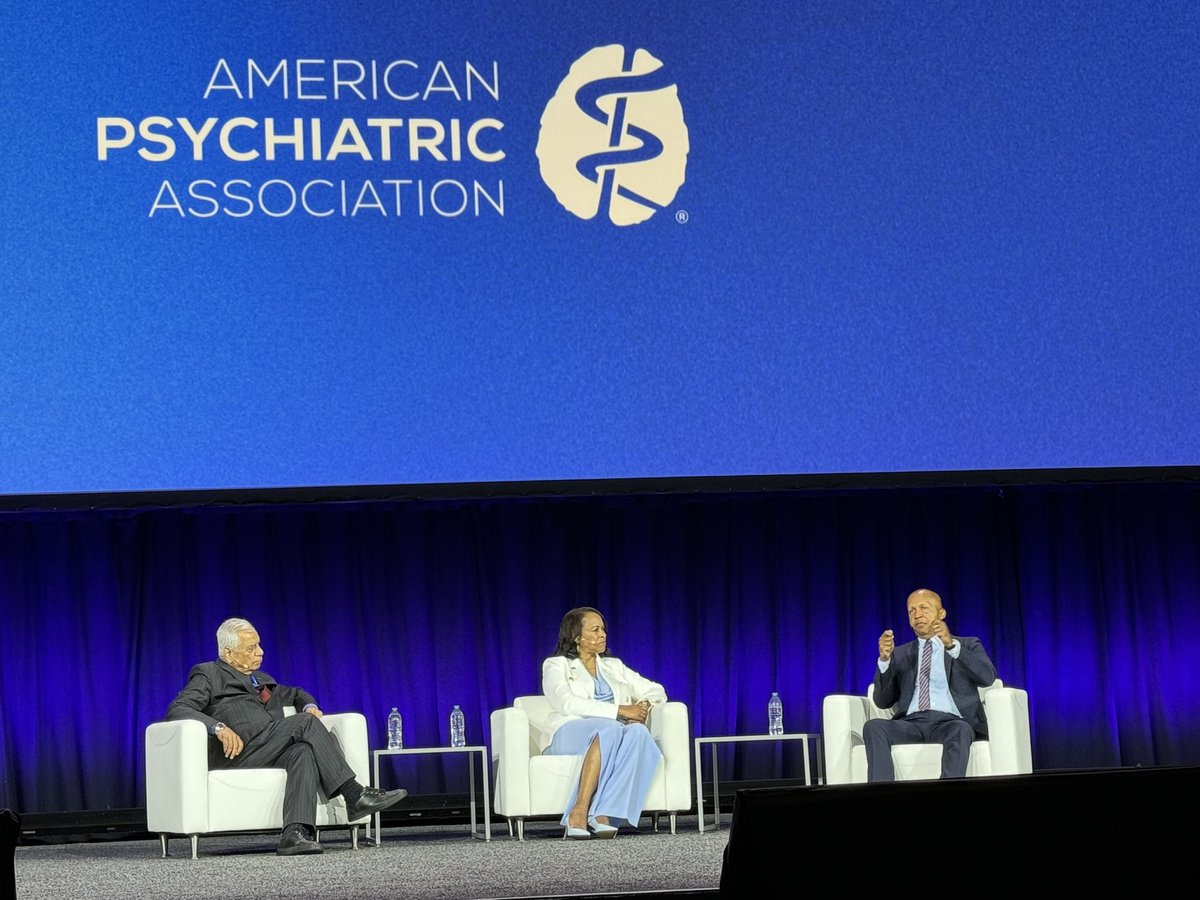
243,709
934,683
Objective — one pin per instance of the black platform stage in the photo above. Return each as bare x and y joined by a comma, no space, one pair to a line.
1083,830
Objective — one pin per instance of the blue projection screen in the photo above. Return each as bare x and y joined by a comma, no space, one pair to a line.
269,245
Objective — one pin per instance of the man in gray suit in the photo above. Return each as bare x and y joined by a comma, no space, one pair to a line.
934,682
243,709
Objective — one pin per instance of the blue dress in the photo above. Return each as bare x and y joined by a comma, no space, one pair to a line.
628,760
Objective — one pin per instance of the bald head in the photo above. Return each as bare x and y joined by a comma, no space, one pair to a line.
924,609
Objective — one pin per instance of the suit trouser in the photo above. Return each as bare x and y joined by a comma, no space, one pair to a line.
928,727
303,746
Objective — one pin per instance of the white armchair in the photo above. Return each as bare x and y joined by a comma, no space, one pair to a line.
530,784
184,797
1007,751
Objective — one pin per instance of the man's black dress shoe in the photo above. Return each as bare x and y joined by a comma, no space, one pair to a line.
295,842
373,800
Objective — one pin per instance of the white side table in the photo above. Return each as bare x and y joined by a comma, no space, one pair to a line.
737,739
486,833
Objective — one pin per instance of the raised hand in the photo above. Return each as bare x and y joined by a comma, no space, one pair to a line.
887,643
939,630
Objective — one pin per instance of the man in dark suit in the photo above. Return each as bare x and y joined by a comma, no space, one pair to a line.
934,683
243,709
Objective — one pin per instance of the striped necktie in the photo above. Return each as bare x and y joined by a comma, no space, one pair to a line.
923,676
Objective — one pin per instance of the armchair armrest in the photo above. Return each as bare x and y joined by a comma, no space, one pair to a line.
177,777
350,729
842,720
668,725
510,761
1007,711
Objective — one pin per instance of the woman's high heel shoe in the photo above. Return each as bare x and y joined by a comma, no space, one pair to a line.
576,834
602,830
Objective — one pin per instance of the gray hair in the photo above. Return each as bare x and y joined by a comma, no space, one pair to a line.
227,634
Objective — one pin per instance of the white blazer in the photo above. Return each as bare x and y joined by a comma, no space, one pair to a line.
571,692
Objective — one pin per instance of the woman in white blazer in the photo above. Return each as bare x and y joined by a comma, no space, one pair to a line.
599,708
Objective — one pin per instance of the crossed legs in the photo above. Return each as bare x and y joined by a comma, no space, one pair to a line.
303,746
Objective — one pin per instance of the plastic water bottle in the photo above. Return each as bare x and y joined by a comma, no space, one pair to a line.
395,730
775,714
458,727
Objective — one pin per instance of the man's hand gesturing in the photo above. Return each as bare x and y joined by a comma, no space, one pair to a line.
887,643
939,630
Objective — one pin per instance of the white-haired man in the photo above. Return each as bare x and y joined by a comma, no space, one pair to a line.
243,709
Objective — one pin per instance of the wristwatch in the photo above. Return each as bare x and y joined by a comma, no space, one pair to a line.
216,729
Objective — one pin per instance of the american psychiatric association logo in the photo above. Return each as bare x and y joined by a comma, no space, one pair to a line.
613,137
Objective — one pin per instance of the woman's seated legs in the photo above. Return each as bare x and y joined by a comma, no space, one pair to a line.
627,761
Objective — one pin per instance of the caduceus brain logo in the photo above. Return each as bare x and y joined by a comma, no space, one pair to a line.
613,137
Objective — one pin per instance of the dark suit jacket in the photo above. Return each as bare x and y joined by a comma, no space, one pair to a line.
217,692
965,676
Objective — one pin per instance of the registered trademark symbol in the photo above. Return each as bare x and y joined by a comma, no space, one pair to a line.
681,216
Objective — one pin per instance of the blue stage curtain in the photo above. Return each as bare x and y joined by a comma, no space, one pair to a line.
1085,595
